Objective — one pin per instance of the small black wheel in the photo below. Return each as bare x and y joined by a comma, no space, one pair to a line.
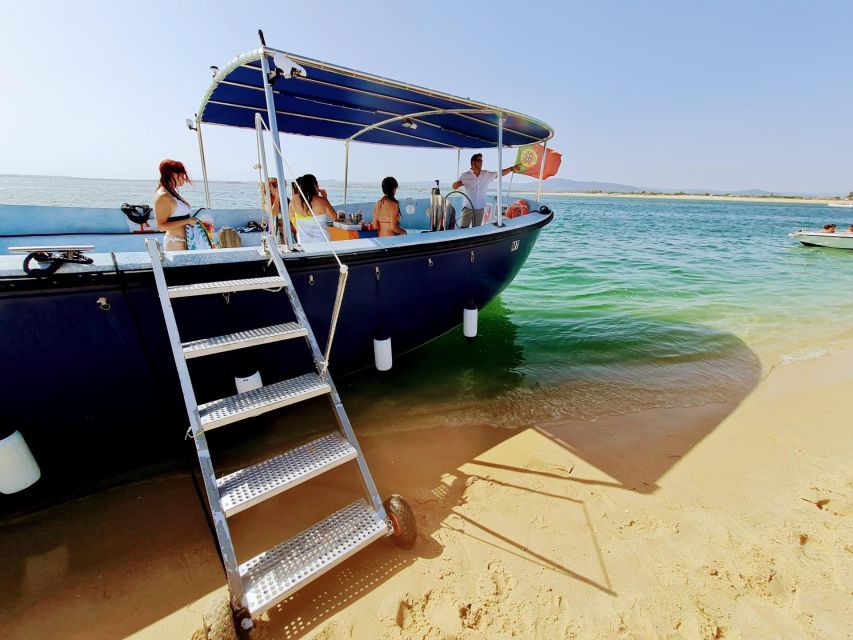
403,521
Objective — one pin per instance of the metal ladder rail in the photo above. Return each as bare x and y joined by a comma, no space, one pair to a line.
335,399
223,533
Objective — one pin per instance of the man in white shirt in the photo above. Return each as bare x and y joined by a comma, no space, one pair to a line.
476,183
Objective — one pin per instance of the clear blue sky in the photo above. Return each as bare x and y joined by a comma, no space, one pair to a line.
728,95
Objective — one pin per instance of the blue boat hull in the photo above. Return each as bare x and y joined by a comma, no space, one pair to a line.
91,383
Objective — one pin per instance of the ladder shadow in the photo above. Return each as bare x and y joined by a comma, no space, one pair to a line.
319,601
443,526
629,451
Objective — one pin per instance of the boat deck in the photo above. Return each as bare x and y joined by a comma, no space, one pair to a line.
116,250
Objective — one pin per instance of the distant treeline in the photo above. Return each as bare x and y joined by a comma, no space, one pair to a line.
717,195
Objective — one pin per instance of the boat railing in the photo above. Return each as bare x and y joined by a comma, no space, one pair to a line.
260,125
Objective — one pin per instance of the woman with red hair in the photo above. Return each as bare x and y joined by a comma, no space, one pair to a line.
172,211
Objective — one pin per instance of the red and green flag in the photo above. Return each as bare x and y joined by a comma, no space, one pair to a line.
530,158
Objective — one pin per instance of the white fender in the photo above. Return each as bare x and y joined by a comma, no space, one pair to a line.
382,354
18,467
247,384
469,322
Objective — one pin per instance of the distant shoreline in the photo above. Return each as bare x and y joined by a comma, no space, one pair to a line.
687,196
527,189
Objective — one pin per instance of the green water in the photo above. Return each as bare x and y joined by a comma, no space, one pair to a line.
628,304
650,280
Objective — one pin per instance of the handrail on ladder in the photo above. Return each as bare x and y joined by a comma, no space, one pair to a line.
343,270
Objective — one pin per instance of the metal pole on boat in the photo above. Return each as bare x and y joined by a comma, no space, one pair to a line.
501,118
262,161
273,123
195,125
541,170
203,163
346,169
458,157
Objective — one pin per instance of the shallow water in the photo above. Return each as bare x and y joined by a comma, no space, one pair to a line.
624,304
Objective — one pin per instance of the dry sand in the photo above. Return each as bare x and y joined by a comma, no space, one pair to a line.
718,521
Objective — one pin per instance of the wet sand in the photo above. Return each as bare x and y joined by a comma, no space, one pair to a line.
725,520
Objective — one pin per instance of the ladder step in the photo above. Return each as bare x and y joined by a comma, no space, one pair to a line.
275,574
224,286
242,339
257,401
247,487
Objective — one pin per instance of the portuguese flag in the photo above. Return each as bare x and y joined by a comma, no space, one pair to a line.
529,159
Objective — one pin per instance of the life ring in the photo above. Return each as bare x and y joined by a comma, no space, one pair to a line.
517,209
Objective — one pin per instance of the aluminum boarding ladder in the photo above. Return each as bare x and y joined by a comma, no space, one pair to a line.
260,582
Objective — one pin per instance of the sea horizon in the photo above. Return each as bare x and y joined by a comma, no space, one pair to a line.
520,185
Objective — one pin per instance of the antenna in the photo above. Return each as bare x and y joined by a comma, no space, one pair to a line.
261,36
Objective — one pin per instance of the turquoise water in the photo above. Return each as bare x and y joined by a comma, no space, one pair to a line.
624,304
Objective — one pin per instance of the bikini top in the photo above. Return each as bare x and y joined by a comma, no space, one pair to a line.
381,209
182,211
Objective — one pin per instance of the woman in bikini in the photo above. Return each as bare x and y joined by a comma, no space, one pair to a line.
386,213
172,211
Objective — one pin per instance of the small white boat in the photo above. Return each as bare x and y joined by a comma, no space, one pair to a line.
840,205
837,240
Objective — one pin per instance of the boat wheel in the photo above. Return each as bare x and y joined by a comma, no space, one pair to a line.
402,520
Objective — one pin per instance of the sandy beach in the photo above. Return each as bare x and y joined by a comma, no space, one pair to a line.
726,520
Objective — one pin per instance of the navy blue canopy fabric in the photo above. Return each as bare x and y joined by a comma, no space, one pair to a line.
339,103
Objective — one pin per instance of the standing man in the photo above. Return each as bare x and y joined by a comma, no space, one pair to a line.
476,183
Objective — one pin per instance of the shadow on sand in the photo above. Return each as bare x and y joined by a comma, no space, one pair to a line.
122,561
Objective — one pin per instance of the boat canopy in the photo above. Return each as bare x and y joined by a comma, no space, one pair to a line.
318,99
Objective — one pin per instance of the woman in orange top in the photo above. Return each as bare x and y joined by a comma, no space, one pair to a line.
386,213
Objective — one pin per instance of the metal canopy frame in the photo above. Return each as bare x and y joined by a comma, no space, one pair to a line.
258,60
393,118
401,93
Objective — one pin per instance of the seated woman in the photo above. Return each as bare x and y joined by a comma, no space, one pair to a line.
308,228
386,213
829,228
170,208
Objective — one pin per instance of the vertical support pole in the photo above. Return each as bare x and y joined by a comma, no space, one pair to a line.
541,170
346,169
458,157
273,125
203,163
501,117
262,160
